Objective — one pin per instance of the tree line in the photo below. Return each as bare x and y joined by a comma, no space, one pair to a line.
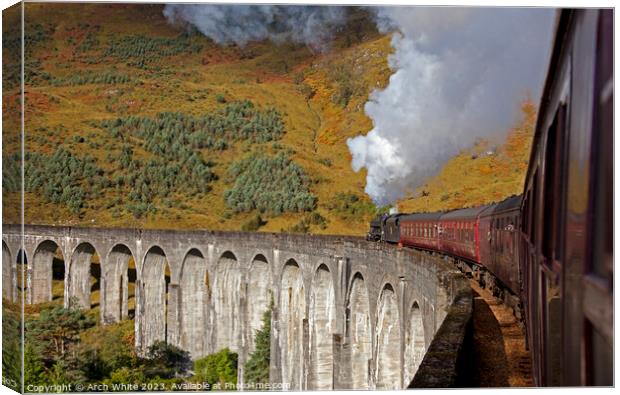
140,51
107,77
66,346
269,184
62,177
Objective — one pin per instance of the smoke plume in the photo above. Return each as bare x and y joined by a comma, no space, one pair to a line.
458,74
240,24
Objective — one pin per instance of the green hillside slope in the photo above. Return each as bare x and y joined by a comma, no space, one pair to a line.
133,122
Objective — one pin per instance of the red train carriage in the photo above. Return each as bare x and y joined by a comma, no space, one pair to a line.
499,252
567,210
458,233
420,231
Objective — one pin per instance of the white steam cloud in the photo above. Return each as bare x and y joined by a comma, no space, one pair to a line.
240,24
458,74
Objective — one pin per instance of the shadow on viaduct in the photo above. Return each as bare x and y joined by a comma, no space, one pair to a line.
347,314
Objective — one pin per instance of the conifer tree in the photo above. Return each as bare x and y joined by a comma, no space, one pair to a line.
257,366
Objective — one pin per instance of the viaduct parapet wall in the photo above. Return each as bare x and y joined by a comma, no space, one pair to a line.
346,313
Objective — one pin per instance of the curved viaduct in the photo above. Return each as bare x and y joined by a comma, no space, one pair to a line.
346,313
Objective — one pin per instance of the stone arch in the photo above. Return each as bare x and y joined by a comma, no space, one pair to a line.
387,343
119,273
8,273
359,333
322,325
21,265
414,342
155,277
293,320
259,297
84,276
226,302
41,271
194,302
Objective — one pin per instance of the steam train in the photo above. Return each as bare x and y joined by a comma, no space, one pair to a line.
483,239
551,247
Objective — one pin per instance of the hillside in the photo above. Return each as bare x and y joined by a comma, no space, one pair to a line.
484,174
134,122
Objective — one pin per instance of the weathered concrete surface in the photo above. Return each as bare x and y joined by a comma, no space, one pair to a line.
447,362
347,313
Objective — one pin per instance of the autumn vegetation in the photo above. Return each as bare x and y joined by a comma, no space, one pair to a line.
131,122
135,122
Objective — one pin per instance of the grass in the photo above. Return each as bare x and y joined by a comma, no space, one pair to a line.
320,97
190,82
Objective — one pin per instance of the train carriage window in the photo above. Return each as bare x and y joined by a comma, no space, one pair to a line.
553,187
602,155
500,242
535,211
551,310
599,328
526,217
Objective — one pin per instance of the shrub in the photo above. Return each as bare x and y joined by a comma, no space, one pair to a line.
269,184
304,225
141,51
349,205
326,162
62,177
82,78
217,369
166,361
253,224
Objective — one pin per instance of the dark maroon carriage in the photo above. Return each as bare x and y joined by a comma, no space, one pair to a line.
457,233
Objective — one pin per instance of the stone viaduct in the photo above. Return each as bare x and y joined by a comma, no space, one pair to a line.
347,314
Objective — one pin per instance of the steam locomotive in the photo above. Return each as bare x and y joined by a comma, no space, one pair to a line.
552,247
